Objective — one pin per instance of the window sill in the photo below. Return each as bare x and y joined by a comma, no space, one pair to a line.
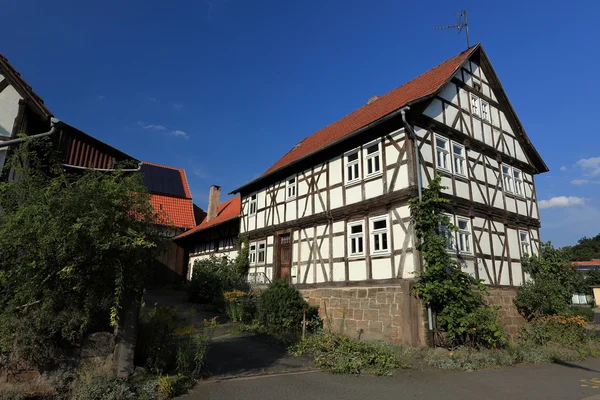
382,254
353,183
462,178
356,257
290,199
373,176
444,171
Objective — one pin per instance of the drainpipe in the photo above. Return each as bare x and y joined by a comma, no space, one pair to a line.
413,137
54,124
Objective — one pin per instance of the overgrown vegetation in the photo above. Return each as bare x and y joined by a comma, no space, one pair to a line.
281,308
456,298
74,246
586,249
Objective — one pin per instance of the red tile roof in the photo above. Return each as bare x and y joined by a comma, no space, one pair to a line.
422,86
226,211
594,261
174,210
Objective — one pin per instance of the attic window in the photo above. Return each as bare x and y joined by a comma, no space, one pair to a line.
477,86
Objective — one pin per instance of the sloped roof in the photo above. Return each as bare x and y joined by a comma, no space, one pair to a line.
226,211
422,86
176,210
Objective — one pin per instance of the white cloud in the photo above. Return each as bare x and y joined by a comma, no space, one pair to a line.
563,168
590,166
584,182
153,127
177,106
180,133
562,201
200,173
100,97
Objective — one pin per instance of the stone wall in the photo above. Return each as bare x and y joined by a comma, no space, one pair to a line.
382,312
508,314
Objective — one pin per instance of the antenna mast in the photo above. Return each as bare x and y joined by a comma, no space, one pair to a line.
460,24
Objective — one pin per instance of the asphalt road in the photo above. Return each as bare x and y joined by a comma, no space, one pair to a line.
567,381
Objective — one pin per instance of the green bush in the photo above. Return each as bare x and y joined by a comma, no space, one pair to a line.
469,359
172,386
341,354
240,306
101,387
586,312
281,308
157,342
213,276
558,329
479,328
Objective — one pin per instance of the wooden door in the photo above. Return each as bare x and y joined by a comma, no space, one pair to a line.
285,257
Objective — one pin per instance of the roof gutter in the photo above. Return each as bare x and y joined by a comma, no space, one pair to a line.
54,127
346,137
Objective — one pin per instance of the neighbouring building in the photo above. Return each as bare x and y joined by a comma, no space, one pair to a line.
22,111
332,213
218,233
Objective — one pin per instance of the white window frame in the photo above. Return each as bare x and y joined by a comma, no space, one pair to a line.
462,157
375,158
353,165
379,233
475,105
507,178
518,182
464,242
356,237
291,185
253,204
448,233
445,151
252,253
259,250
485,111
525,245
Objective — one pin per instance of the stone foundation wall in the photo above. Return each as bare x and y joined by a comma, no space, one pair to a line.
508,314
385,312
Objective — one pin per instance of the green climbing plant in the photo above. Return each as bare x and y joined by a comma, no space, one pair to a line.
456,298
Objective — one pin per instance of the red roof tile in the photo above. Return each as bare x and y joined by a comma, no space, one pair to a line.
226,211
175,210
594,261
422,86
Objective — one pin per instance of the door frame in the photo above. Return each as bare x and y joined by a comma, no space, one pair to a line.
277,252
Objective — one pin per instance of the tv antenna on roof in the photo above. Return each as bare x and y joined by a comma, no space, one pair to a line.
460,24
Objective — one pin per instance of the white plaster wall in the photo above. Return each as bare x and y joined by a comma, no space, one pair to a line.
9,108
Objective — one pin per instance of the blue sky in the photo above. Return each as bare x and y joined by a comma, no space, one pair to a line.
223,88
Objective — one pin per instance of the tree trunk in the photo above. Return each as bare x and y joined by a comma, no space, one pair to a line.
125,336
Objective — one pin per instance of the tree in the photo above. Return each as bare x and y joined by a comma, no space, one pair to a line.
455,296
75,250
586,249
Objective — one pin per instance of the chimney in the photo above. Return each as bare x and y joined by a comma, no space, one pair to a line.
213,202
372,99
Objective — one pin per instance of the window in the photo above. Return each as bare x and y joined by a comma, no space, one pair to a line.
507,178
262,251
2,157
464,235
252,254
524,239
352,167
485,111
290,191
518,180
379,234
372,159
441,147
356,235
474,105
253,204
458,155
448,234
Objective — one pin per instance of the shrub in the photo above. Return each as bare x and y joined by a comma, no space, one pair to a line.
240,306
559,329
171,386
479,328
586,312
211,277
340,354
193,346
281,308
157,343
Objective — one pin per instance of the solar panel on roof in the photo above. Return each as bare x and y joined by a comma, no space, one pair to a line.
163,180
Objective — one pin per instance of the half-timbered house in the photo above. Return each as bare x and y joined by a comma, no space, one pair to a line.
333,211
217,235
